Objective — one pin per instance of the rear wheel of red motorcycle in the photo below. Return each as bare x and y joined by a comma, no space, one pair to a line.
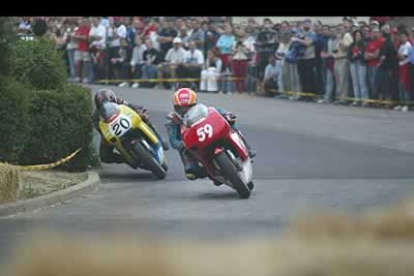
230,171
149,161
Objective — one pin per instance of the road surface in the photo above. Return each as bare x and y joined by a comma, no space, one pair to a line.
310,157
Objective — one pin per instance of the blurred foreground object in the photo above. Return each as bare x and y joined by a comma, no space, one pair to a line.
9,183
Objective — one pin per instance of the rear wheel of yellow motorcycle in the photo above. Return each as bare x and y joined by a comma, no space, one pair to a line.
149,161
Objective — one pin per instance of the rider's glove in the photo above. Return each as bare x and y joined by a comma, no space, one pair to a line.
231,118
143,113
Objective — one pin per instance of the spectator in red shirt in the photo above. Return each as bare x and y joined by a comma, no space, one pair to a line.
139,26
82,55
152,27
372,58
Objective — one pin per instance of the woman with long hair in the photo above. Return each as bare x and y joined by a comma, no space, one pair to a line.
358,67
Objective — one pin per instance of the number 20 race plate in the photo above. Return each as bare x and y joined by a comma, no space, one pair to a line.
120,125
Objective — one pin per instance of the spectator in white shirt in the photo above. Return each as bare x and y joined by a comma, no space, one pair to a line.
183,35
116,32
25,26
105,22
192,64
211,72
189,26
97,38
404,74
137,60
271,76
97,35
119,31
281,52
173,58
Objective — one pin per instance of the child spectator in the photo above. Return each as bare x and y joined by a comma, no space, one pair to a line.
404,73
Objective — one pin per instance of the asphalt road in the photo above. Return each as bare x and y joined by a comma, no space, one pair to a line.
309,158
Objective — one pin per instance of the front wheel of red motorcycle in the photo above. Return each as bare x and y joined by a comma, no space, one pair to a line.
229,170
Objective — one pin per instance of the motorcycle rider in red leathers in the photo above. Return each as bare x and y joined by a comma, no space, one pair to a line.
183,100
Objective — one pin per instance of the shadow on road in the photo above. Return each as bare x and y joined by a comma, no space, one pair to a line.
217,195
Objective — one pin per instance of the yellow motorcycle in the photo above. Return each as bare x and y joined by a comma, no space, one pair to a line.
122,127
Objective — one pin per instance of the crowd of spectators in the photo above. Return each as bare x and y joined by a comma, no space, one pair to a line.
357,60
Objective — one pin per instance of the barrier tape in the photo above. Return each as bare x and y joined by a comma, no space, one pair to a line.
164,80
313,95
47,166
301,94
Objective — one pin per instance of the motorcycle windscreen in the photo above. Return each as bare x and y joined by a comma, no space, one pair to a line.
205,131
109,111
196,113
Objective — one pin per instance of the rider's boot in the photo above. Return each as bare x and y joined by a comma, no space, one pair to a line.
252,153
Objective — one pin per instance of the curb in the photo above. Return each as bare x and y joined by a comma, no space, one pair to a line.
83,188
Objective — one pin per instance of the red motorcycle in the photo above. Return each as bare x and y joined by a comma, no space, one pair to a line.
220,149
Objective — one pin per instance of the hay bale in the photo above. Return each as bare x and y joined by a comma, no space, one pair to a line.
9,183
51,254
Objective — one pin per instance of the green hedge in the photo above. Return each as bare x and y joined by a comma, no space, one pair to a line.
37,64
60,124
42,117
14,119
7,39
